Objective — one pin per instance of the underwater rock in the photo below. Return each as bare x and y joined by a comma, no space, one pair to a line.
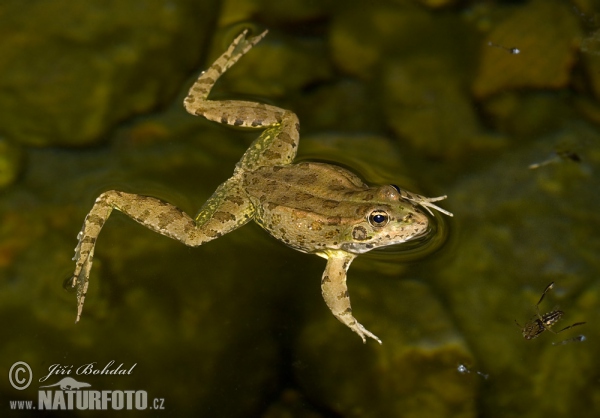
274,13
426,106
590,58
412,374
545,32
278,67
420,88
345,105
11,159
527,114
519,229
71,71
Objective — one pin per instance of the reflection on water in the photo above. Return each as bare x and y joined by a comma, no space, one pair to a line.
420,247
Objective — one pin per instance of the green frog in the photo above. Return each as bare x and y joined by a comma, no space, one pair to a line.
313,207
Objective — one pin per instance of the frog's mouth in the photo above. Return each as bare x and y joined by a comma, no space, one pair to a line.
356,247
424,231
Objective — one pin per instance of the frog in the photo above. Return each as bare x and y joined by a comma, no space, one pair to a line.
313,207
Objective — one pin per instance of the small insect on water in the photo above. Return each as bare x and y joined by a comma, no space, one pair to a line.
558,157
462,369
513,51
544,322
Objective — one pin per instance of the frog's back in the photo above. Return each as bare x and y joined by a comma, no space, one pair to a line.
307,205
305,186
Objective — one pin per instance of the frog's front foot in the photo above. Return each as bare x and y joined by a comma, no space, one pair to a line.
346,317
335,292
363,332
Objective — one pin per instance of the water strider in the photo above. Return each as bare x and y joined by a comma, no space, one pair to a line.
541,323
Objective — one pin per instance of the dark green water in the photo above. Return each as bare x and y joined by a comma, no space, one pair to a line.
404,92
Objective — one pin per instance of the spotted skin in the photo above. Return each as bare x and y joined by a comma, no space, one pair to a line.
315,208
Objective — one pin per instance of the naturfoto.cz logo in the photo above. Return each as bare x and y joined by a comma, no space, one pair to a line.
71,394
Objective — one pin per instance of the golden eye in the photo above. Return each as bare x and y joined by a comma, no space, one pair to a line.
378,218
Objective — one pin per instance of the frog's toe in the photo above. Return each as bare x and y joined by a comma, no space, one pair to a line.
363,333
242,43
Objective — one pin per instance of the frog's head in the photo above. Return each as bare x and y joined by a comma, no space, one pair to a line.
387,219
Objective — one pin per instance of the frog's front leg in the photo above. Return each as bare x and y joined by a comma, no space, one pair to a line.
227,209
335,292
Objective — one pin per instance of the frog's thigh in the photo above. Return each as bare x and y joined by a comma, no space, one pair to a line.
227,209
223,212
277,145
335,293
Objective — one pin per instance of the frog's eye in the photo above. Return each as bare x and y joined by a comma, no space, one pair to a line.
395,187
378,218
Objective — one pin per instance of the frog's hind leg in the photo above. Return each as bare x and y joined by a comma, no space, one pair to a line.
275,146
227,209
335,292
278,144
200,90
